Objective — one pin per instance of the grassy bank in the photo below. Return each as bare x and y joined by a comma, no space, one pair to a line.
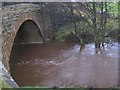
3,84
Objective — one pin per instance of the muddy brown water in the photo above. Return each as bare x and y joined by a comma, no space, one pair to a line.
62,64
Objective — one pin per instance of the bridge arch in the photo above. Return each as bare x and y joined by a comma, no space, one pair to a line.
28,32
10,36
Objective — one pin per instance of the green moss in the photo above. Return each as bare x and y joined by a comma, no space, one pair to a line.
3,84
34,87
46,88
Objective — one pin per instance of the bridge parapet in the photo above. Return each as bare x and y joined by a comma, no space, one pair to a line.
20,7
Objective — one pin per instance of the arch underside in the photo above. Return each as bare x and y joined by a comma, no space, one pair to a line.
28,32
29,26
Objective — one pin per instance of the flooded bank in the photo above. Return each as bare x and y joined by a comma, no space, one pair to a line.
62,64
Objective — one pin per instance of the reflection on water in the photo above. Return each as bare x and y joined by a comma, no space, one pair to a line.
58,64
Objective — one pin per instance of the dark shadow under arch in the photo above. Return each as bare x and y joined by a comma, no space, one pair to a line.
28,32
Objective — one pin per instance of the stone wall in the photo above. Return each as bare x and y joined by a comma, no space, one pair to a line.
13,17
4,75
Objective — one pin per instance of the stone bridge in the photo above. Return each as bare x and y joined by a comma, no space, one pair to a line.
20,22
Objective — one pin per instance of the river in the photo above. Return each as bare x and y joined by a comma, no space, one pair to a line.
62,64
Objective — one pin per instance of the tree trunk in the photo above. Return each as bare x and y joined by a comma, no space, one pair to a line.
95,26
102,25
